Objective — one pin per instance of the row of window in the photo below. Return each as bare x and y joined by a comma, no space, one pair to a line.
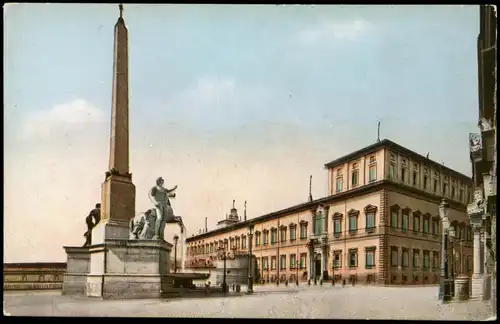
352,258
372,176
400,219
405,177
271,236
336,264
263,263
353,223
404,260
209,248
263,237
429,258
404,173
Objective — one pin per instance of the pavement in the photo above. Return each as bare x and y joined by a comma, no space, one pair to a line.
270,301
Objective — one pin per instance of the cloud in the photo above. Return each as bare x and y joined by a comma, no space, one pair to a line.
62,118
345,30
212,90
206,96
215,100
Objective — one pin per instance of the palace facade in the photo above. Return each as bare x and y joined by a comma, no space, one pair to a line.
379,224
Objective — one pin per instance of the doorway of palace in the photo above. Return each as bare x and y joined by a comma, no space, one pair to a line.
317,266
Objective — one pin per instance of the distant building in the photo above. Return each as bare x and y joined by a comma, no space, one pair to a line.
230,219
33,276
379,224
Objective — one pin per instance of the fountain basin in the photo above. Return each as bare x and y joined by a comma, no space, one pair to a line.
185,280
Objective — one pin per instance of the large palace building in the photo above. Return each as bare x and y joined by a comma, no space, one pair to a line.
379,224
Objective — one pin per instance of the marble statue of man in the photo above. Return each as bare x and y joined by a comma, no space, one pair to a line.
159,196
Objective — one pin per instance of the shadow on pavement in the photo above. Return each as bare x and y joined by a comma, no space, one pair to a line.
201,295
217,294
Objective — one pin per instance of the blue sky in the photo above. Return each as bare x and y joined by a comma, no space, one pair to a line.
228,101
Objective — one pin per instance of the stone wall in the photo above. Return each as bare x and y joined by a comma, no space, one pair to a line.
36,276
236,270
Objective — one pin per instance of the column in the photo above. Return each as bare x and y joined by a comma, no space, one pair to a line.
477,277
444,268
311,262
325,260
477,270
486,262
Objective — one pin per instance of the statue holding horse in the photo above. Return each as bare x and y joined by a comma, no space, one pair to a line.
151,224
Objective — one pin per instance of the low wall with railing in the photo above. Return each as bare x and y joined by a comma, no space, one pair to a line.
32,286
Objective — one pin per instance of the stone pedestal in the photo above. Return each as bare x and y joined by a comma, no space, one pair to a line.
110,229
129,269
477,286
461,287
117,198
119,269
78,267
486,286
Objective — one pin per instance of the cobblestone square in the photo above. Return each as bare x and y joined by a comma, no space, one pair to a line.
317,302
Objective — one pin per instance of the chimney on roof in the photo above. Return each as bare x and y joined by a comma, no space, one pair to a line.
378,132
206,225
245,211
310,188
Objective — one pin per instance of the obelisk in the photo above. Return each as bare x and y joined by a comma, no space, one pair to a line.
114,266
118,191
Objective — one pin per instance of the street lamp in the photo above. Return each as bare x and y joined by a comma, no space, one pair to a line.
333,272
444,285
176,239
297,271
224,255
250,260
451,234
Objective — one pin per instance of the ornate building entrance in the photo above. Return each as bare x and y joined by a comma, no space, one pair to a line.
317,266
